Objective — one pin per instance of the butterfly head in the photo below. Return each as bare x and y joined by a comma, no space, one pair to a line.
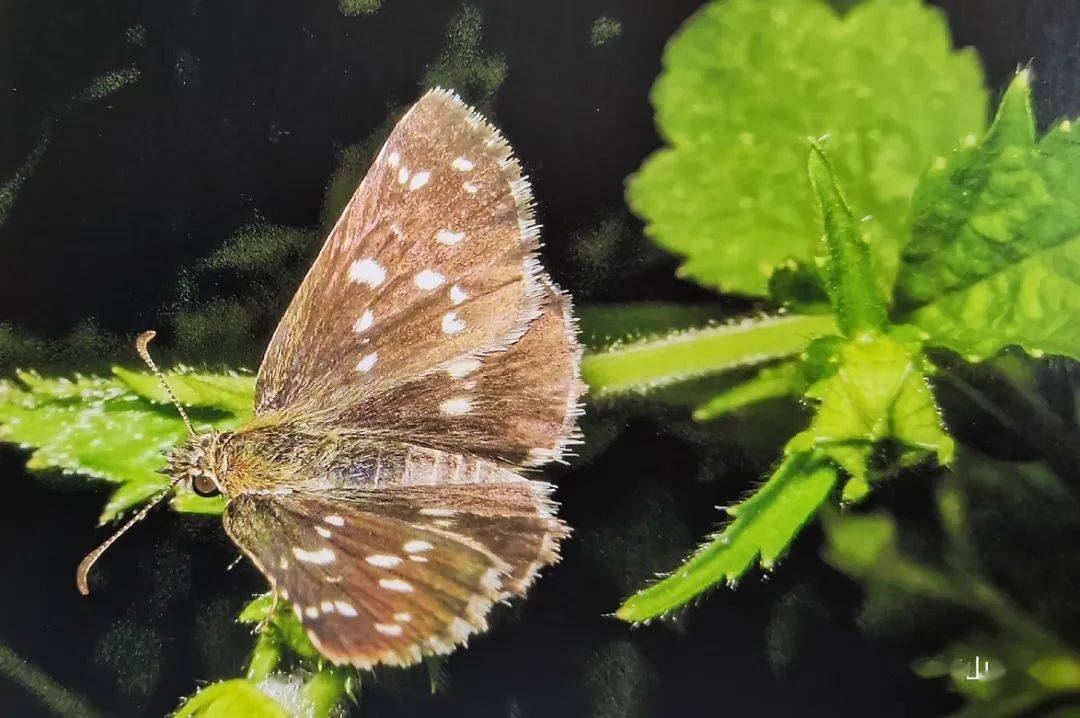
197,463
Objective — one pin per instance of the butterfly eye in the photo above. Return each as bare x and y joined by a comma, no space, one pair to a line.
204,485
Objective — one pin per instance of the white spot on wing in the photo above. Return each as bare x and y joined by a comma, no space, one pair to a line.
334,520
396,584
364,322
418,559
383,560
345,609
368,362
445,236
403,617
451,323
393,159
311,611
419,180
325,533
469,187
462,164
443,513
455,407
457,295
462,368
367,271
428,279
403,175
321,557
388,629
327,606
417,546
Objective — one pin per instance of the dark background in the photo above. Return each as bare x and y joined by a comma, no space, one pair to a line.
239,114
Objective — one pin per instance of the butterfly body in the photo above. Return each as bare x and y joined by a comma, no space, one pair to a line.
425,360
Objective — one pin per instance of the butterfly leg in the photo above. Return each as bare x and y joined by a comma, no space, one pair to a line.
269,614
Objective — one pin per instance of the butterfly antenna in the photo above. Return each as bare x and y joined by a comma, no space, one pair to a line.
87,563
142,345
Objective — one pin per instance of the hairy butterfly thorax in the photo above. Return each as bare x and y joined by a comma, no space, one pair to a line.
426,360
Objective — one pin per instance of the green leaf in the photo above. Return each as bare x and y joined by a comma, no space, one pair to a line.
771,382
762,528
231,392
878,392
228,699
283,626
115,429
844,256
327,689
865,546
994,257
264,659
746,82
652,363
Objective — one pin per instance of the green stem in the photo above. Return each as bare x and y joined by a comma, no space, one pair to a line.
56,698
686,355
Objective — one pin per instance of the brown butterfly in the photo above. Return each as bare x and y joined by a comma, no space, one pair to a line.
425,360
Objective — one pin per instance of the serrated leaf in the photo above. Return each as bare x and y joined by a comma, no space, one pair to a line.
762,528
230,392
994,257
746,82
844,255
878,392
228,699
114,429
661,361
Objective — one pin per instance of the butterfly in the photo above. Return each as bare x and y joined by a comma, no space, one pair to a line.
425,361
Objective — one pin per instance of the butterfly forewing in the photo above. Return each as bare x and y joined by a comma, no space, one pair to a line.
516,406
385,576
424,356
433,257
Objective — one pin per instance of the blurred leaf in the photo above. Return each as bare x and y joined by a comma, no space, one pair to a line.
327,689
651,363
762,528
770,383
229,699
264,658
865,546
994,257
729,193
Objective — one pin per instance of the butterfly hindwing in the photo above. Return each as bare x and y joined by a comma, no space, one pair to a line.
433,257
386,576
